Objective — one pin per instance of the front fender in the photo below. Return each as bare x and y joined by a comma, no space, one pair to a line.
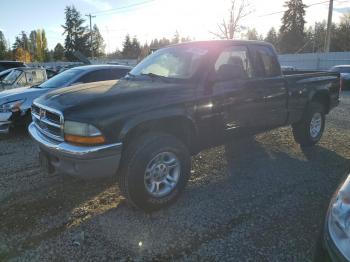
153,116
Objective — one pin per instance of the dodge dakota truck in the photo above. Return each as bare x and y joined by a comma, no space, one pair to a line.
177,101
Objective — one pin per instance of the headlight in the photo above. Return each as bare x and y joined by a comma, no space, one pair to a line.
339,219
82,133
13,106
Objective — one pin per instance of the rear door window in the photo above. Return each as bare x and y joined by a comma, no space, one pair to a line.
95,76
266,61
102,75
118,73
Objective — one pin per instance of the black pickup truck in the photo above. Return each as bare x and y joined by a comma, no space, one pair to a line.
176,102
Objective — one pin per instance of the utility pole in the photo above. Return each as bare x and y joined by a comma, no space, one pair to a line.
92,51
329,28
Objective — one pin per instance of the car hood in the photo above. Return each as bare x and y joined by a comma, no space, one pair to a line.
20,93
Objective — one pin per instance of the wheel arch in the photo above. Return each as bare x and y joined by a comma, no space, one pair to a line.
322,97
180,125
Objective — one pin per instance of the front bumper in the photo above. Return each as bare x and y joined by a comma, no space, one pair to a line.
333,252
79,161
5,122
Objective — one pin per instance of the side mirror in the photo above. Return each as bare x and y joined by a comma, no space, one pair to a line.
229,72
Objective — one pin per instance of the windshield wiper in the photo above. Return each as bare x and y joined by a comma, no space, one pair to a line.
155,76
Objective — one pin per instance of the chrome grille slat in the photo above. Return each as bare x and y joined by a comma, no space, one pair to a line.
48,121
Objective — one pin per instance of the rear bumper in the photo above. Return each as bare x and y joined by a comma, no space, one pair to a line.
79,161
5,122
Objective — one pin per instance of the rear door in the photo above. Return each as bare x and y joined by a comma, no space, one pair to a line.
271,86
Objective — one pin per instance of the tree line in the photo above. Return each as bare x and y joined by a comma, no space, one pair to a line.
34,47
133,49
292,36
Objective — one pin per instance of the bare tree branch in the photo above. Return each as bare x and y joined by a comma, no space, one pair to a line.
228,29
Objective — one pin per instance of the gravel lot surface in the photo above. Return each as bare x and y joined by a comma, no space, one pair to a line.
259,199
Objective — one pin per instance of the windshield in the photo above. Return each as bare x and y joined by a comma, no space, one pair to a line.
62,79
180,62
11,78
341,69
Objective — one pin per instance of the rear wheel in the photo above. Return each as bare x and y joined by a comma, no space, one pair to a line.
154,171
309,130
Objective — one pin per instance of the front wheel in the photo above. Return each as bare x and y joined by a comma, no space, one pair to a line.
309,130
154,171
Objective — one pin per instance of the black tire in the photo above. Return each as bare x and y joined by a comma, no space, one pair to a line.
137,156
301,130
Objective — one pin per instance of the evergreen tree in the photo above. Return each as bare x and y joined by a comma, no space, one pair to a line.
58,53
185,39
292,29
136,47
32,44
20,48
272,37
39,55
340,40
252,34
127,47
45,50
76,33
176,38
98,45
3,46
145,51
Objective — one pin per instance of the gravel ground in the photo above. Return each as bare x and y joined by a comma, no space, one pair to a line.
259,199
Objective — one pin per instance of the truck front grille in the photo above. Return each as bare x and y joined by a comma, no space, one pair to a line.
48,121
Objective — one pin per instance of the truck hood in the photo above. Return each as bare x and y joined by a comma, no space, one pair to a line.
77,94
97,94
20,93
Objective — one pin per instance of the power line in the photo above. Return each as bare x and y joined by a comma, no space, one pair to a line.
318,3
116,10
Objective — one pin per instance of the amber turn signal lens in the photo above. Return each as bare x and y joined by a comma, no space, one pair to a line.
84,140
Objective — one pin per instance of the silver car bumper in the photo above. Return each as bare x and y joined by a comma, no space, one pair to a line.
5,122
79,161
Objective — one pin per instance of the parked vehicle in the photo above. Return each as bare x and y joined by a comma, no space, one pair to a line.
23,76
344,71
335,241
15,104
176,102
4,65
50,73
4,73
288,68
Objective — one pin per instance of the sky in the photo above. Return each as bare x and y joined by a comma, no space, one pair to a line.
149,19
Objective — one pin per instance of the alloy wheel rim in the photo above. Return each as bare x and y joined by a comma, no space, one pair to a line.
162,174
315,125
